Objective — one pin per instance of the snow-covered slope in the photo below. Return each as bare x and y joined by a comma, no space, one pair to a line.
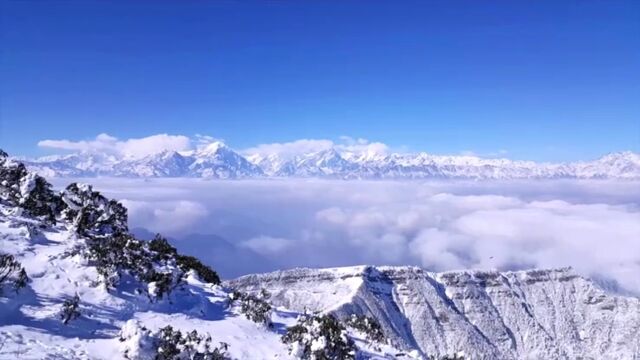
75,248
536,314
219,161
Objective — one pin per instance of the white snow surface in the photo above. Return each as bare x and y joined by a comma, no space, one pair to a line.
535,314
30,327
219,161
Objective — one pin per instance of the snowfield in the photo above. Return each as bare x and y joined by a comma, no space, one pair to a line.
30,324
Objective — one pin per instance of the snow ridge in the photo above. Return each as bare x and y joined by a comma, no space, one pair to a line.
217,160
535,314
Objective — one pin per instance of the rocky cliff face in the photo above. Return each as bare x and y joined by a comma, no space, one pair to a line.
535,314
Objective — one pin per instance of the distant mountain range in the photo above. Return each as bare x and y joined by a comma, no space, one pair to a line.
218,161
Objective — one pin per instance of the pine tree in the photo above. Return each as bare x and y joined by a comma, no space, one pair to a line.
368,326
70,309
12,272
319,338
253,307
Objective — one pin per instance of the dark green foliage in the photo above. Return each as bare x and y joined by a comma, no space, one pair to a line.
92,213
448,357
41,201
325,328
70,309
12,273
117,253
21,280
31,192
205,273
164,251
368,326
124,253
265,294
173,344
11,174
164,283
254,308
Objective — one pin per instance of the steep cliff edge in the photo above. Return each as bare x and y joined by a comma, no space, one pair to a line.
485,314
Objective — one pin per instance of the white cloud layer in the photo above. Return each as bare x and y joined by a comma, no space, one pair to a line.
134,148
297,147
593,226
290,149
140,147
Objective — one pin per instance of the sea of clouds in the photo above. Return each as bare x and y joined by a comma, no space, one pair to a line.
249,226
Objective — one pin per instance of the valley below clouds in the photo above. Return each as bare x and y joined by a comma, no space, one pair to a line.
248,226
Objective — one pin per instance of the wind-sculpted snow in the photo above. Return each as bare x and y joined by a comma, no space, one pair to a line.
217,160
535,314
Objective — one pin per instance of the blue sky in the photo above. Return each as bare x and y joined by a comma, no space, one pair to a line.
543,80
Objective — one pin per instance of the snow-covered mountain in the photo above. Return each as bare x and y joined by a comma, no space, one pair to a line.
219,161
76,284
216,160
535,314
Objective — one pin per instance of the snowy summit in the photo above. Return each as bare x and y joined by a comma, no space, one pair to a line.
217,160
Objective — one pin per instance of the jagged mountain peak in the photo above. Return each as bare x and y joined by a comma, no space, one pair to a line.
217,160
220,161
213,148
626,156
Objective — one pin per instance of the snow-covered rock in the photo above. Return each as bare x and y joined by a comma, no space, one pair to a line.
536,314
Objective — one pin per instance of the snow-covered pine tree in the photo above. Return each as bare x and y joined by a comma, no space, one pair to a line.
319,337
70,309
252,307
12,272
366,325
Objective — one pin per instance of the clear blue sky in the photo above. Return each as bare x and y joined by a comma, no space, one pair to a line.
544,80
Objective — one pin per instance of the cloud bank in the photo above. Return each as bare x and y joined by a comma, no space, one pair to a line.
593,226
133,148
346,144
140,147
